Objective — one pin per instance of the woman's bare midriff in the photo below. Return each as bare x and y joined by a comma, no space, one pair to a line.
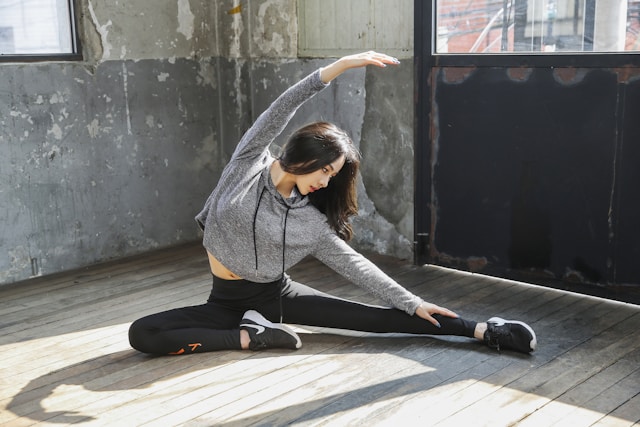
220,270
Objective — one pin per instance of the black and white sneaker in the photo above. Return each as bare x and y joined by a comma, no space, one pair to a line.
510,334
265,334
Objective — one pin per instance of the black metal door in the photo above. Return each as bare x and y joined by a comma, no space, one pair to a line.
527,166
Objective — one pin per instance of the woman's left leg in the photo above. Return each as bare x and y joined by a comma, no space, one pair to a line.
304,305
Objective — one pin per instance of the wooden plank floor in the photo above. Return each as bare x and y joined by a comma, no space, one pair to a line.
65,359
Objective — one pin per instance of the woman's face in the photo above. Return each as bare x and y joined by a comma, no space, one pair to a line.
317,180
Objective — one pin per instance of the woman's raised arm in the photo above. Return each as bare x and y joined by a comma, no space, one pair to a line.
338,67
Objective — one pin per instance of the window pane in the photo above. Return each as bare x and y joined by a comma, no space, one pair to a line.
35,27
516,26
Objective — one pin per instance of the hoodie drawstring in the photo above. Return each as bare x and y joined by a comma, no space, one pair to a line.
284,245
255,216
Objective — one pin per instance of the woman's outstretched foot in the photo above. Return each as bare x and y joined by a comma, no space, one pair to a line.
510,334
265,334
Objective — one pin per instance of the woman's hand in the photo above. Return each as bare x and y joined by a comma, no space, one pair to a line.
333,70
426,310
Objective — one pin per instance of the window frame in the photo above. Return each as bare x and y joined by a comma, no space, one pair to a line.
530,59
76,55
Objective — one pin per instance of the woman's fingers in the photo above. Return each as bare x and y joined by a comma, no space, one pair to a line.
427,310
434,321
446,312
363,59
376,58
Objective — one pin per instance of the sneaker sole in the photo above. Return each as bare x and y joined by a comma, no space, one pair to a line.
259,319
500,321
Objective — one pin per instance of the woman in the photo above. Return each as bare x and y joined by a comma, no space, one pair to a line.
265,215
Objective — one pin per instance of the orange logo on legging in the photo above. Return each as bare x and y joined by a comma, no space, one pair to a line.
193,348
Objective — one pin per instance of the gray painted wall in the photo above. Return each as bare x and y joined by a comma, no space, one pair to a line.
115,155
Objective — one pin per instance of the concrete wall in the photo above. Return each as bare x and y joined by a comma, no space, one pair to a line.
114,156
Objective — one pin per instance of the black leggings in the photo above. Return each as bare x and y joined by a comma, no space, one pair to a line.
215,325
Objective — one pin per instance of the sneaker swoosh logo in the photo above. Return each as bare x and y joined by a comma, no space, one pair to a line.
258,328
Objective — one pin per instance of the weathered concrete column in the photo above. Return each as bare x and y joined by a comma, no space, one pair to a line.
610,25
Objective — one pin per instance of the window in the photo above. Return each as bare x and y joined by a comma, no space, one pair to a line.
339,27
33,29
537,26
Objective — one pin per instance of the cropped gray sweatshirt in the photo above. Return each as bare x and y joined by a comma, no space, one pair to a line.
258,234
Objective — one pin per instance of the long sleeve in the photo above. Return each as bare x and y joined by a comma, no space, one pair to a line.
273,120
340,257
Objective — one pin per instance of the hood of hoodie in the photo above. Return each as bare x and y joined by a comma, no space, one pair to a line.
296,200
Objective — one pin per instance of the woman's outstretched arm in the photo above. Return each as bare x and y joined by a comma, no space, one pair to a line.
345,63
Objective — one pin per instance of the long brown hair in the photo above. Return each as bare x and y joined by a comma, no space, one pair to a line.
313,147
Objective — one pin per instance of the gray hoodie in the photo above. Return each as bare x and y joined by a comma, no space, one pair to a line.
258,234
